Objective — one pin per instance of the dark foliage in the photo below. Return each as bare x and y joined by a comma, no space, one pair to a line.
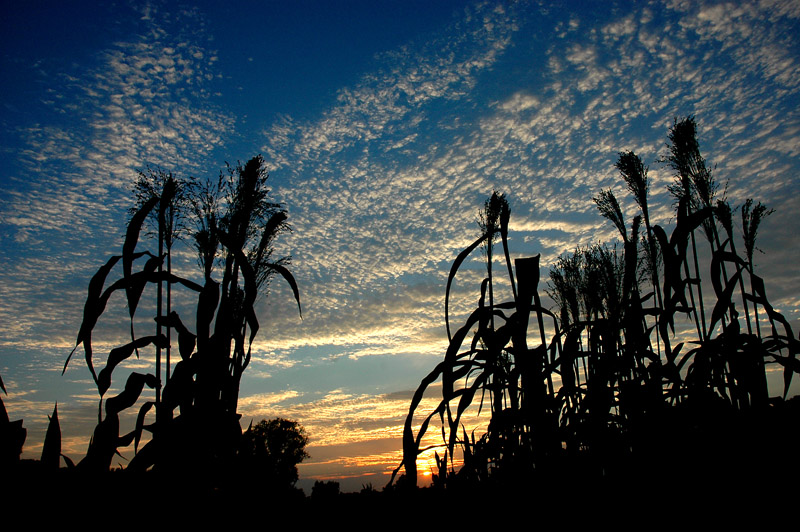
270,451
195,417
12,437
608,386
325,491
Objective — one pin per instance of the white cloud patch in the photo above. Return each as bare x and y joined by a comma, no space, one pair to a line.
367,217
141,102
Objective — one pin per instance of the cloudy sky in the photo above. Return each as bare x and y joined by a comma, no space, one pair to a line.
384,125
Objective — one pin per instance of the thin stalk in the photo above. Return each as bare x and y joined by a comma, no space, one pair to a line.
742,291
751,219
159,314
169,310
652,257
699,289
715,246
543,338
755,305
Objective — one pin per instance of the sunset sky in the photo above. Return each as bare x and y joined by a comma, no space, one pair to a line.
384,126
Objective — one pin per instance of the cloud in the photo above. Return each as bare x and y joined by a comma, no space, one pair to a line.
129,108
142,101
379,217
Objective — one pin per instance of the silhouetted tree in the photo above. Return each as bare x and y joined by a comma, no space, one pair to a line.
324,491
271,450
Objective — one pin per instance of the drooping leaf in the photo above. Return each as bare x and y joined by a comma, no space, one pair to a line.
128,396
456,264
250,287
724,295
289,279
410,444
98,299
451,356
140,423
445,370
718,257
688,223
132,238
760,296
252,322
119,354
91,310
724,301
186,340
178,390
206,307
466,399
137,284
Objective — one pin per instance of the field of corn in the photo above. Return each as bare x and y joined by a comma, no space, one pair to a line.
610,384
190,429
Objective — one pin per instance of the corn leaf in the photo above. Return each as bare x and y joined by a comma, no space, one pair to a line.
186,340
206,307
51,450
128,396
140,423
723,300
453,269
119,354
137,284
132,238
286,274
92,311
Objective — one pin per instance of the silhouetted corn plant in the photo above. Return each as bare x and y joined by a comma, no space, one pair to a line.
167,223
495,361
236,226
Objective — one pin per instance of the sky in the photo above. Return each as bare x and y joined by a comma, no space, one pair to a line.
384,126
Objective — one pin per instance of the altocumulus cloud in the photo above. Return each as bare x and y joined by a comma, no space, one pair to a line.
143,101
385,185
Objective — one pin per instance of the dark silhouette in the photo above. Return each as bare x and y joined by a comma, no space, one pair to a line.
270,451
601,401
325,491
603,389
196,421
12,436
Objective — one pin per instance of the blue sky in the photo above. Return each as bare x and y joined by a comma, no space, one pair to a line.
384,126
